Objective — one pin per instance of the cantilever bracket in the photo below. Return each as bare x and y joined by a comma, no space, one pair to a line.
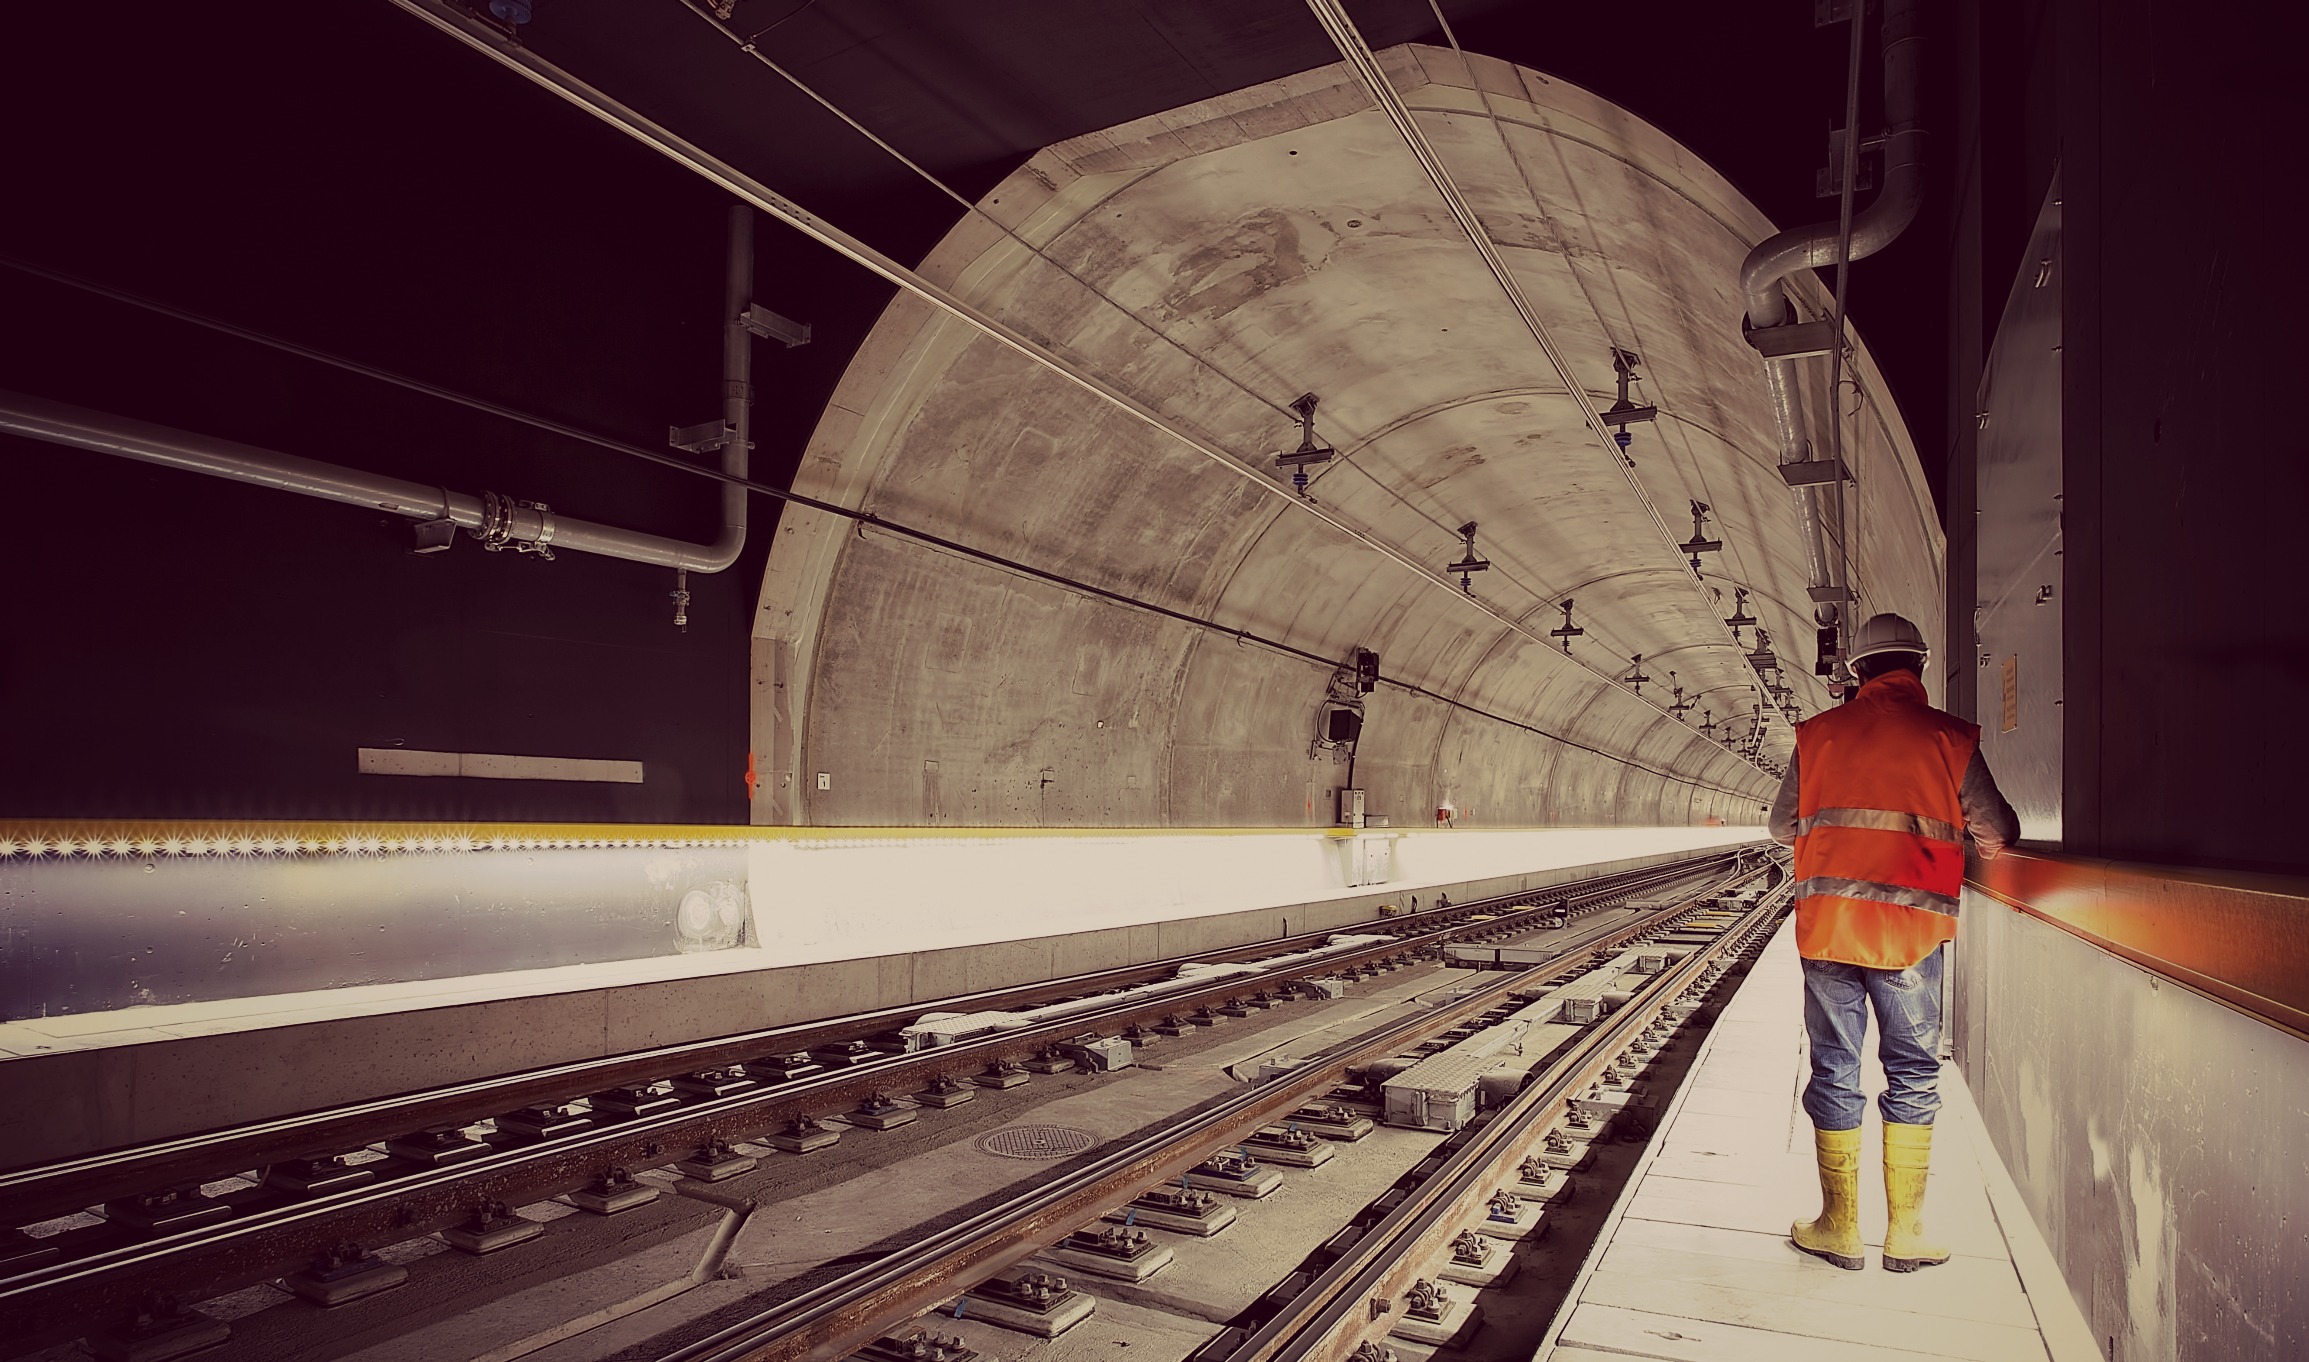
770,326
702,438
1794,340
1816,472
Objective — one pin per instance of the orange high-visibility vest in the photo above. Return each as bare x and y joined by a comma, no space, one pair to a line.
1880,826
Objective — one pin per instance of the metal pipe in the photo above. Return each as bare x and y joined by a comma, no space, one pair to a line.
503,519
1874,227
1815,246
37,418
737,391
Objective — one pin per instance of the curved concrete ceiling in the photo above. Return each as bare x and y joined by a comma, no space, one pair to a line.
1215,262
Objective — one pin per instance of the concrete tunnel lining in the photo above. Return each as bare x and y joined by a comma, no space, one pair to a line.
929,691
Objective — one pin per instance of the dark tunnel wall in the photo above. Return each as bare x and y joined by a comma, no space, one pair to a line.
167,679
2182,456
2185,650
2113,158
178,646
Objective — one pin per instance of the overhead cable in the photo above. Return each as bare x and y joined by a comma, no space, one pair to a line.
454,21
1333,17
748,45
1539,205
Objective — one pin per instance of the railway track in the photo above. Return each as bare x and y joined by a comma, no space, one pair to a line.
592,1121
839,1317
1335,1316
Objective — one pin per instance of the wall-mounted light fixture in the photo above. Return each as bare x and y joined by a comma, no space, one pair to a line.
1739,618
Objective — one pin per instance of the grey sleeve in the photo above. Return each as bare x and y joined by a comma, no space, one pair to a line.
1784,806
1990,820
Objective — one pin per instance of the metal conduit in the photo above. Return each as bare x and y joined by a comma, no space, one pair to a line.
496,519
1815,246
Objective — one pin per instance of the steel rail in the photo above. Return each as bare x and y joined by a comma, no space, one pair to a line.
829,1321
36,1192
258,1244
1339,1308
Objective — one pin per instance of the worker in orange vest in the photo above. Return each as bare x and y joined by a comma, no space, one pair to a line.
1877,801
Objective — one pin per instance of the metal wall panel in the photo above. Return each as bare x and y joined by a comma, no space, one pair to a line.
2156,1134
2017,613
90,934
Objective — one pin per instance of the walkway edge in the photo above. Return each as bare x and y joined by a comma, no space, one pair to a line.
1609,1230
2067,1335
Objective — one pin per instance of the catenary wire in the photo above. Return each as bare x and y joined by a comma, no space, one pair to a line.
1539,205
1340,27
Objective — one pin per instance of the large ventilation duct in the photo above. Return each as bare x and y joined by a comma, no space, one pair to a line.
1814,247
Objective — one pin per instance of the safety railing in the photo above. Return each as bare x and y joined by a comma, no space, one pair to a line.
2241,939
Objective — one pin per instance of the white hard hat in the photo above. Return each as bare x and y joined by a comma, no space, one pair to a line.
1886,634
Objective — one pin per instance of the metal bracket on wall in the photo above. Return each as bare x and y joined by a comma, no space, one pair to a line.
770,326
1814,472
432,536
702,438
1792,340
1828,182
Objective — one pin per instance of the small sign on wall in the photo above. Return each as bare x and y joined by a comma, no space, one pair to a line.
2011,693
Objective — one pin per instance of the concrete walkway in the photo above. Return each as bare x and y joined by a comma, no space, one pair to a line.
1696,1265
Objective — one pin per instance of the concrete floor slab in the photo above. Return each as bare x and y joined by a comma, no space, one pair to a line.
1697,1264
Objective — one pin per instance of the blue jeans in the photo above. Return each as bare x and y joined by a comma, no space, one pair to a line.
1907,1002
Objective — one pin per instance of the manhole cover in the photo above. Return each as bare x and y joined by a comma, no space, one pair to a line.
1036,1142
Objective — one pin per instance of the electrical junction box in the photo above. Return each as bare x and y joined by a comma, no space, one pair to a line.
1351,808
1437,1093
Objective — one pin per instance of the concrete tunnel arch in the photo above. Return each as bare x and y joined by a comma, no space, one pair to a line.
1216,261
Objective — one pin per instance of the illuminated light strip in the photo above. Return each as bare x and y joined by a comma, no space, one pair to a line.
60,841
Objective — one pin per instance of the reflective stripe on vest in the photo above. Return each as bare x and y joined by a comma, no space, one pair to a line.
1830,886
1883,820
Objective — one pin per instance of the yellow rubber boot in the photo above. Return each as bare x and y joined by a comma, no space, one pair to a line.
1907,1157
1835,1236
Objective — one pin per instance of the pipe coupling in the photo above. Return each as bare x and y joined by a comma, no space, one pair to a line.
510,523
